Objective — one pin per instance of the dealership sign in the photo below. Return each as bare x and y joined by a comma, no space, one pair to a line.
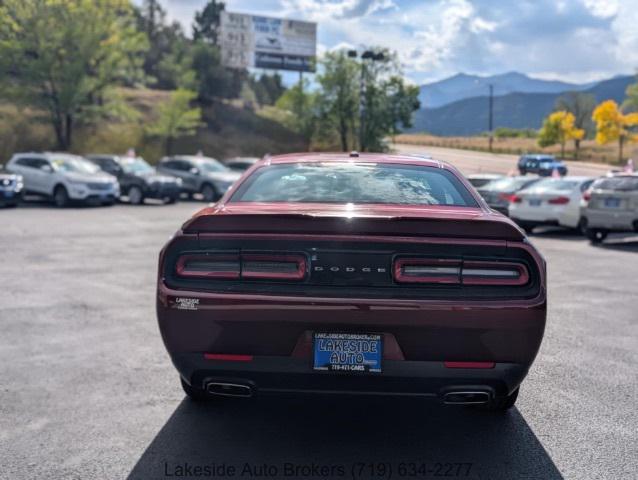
267,42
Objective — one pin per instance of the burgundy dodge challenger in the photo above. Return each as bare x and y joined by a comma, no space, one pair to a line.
360,274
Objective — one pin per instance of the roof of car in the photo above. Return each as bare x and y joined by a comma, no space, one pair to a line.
357,158
539,156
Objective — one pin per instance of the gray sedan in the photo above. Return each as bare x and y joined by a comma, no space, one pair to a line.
200,174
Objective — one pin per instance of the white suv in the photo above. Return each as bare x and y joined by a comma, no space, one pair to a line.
64,178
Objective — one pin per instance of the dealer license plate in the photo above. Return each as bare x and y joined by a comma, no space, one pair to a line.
348,352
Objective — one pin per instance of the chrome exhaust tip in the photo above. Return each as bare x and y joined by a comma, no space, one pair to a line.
225,389
466,398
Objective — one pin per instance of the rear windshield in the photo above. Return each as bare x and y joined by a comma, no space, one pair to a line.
617,183
333,182
509,184
556,184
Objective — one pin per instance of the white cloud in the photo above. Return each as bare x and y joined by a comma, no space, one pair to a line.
326,9
603,8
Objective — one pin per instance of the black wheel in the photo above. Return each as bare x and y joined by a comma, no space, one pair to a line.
582,226
135,195
209,193
522,171
528,227
502,404
61,197
595,235
170,200
194,393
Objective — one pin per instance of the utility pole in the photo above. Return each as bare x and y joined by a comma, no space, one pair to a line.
491,116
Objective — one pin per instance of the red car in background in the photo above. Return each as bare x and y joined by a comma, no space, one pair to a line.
365,274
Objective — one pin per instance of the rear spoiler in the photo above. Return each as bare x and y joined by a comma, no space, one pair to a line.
487,227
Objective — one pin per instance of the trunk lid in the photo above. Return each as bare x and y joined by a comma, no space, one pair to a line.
349,219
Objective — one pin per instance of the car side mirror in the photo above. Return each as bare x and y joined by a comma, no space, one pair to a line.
194,171
46,168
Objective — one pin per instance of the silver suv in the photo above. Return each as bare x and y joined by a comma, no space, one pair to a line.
200,174
64,178
610,205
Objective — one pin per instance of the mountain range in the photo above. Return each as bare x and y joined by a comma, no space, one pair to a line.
459,105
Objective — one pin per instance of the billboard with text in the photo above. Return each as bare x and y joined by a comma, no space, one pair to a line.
267,42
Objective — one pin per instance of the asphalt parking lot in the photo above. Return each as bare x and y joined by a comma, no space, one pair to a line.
88,392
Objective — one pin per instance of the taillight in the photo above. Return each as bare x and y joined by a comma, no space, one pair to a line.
587,195
208,266
558,200
244,266
494,273
437,271
424,270
510,197
280,267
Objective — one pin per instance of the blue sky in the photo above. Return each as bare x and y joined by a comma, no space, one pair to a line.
572,40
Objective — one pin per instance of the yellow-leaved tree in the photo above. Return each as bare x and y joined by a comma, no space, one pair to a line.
612,125
559,128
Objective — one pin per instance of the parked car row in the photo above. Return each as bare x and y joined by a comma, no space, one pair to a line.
595,207
103,178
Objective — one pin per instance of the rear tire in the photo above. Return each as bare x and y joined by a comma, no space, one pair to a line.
61,197
595,235
135,195
194,393
502,404
528,227
209,193
582,226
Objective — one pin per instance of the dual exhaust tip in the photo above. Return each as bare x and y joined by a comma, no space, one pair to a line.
225,389
470,397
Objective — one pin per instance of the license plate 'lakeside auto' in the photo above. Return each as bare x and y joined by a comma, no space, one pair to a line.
348,352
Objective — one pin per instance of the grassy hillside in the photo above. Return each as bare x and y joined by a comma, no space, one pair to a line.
229,130
590,151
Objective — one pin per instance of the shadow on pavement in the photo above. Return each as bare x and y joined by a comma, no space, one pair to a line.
341,434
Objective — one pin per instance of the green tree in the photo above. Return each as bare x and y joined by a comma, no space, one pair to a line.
300,104
168,61
581,105
388,103
212,79
339,96
206,25
176,118
64,57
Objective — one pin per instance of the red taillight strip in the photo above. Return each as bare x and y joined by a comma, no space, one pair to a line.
226,357
431,270
298,274
449,271
182,266
469,364
494,273
558,200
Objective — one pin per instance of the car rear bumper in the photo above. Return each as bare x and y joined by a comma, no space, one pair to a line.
611,220
267,375
275,333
